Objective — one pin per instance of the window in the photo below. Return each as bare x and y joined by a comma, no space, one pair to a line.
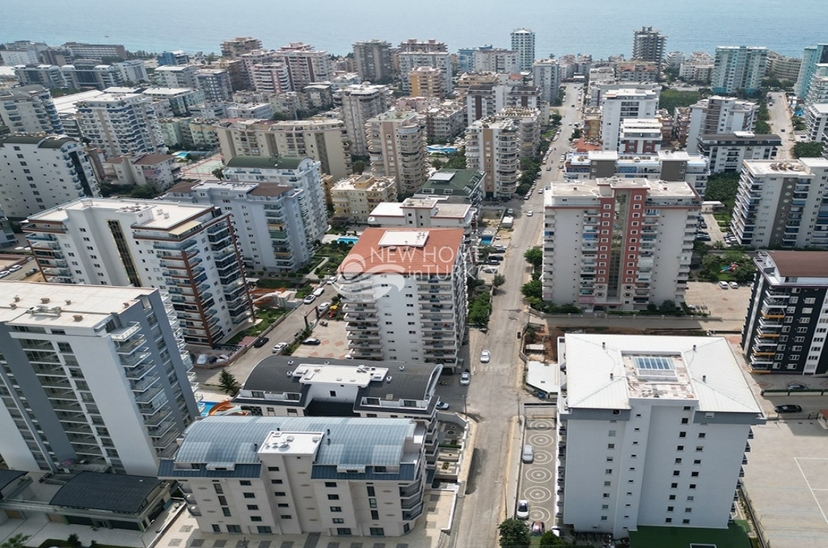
685,521
276,481
678,461
338,521
702,435
377,531
605,495
272,468
609,459
343,531
286,516
216,528
676,473
688,510
371,491
672,497
610,446
255,518
374,514
252,506
668,520
694,474
264,529
690,498
685,420
699,448
608,471
250,495
283,505
679,448
333,497
603,518
674,486
330,484
692,486
682,434
612,433
669,508
607,483
244,482
336,508
225,511
279,494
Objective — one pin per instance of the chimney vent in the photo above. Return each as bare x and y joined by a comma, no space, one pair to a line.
704,378
77,317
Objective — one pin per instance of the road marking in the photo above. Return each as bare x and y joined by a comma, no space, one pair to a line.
811,489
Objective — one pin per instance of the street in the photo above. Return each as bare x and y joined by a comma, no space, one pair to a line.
495,394
780,123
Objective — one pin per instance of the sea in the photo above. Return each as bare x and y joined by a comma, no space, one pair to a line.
598,27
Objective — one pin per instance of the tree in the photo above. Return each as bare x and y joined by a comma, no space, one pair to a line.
228,383
218,173
722,187
549,538
576,133
359,166
17,541
74,541
498,280
532,290
534,256
811,149
436,163
555,118
480,309
514,533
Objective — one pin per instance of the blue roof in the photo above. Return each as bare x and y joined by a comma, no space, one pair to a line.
354,442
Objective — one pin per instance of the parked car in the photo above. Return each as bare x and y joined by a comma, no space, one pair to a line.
312,342
788,408
485,356
538,528
723,285
733,285
530,212
522,509
499,248
15,268
442,406
528,455
465,378
31,271
309,299
4,273
322,308
260,342
331,280
797,386
279,348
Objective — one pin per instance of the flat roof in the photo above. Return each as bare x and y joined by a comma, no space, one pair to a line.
800,264
111,492
593,188
607,371
265,162
163,215
435,256
457,179
59,305
66,104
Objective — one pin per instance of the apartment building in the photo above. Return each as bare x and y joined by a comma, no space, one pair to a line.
121,123
29,109
187,251
250,59
270,78
494,147
485,100
91,377
424,213
718,114
189,133
818,90
330,475
237,47
169,102
404,295
811,57
440,60
816,121
426,82
738,68
618,244
355,197
215,83
621,104
597,90
306,64
429,46
638,71
455,186
22,52
667,165
779,204
373,61
649,45
95,51
360,103
41,172
269,220
697,71
528,122
397,145
323,140
443,120
727,151
546,76
175,76
783,67
640,136
159,170
497,60
302,175
523,42
654,432
167,58
785,324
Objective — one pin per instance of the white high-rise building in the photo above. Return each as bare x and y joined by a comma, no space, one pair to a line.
270,226
29,109
523,42
91,376
719,115
176,76
649,45
40,172
121,123
331,475
811,57
404,295
397,144
739,68
621,244
654,431
493,147
499,61
306,65
187,251
441,60
359,103
779,204
546,76
270,78
302,175
618,105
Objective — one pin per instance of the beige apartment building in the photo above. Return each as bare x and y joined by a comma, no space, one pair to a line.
397,145
355,197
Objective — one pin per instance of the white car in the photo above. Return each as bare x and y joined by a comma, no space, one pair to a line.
322,308
485,356
465,378
279,348
15,268
530,213
309,299
723,285
522,509
734,285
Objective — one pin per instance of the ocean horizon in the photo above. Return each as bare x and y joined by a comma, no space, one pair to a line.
605,29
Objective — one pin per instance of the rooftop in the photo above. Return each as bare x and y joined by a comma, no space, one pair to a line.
607,371
594,188
439,208
786,168
422,252
148,214
265,162
742,136
796,264
463,181
59,305
111,492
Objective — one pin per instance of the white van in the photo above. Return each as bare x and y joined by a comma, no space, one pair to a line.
318,291
528,454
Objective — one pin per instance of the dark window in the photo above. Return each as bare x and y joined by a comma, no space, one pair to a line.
333,497
225,511
244,482
330,484
252,506
250,495
336,508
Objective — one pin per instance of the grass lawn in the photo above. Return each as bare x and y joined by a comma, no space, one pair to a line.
735,536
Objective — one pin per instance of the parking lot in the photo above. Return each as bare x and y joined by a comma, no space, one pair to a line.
537,480
727,304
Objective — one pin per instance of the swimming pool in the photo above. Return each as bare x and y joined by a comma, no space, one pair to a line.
205,407
347,240
486,240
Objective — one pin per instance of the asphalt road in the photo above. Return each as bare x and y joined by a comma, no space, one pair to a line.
780,123
495,395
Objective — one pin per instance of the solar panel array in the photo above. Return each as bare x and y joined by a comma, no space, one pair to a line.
653,363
